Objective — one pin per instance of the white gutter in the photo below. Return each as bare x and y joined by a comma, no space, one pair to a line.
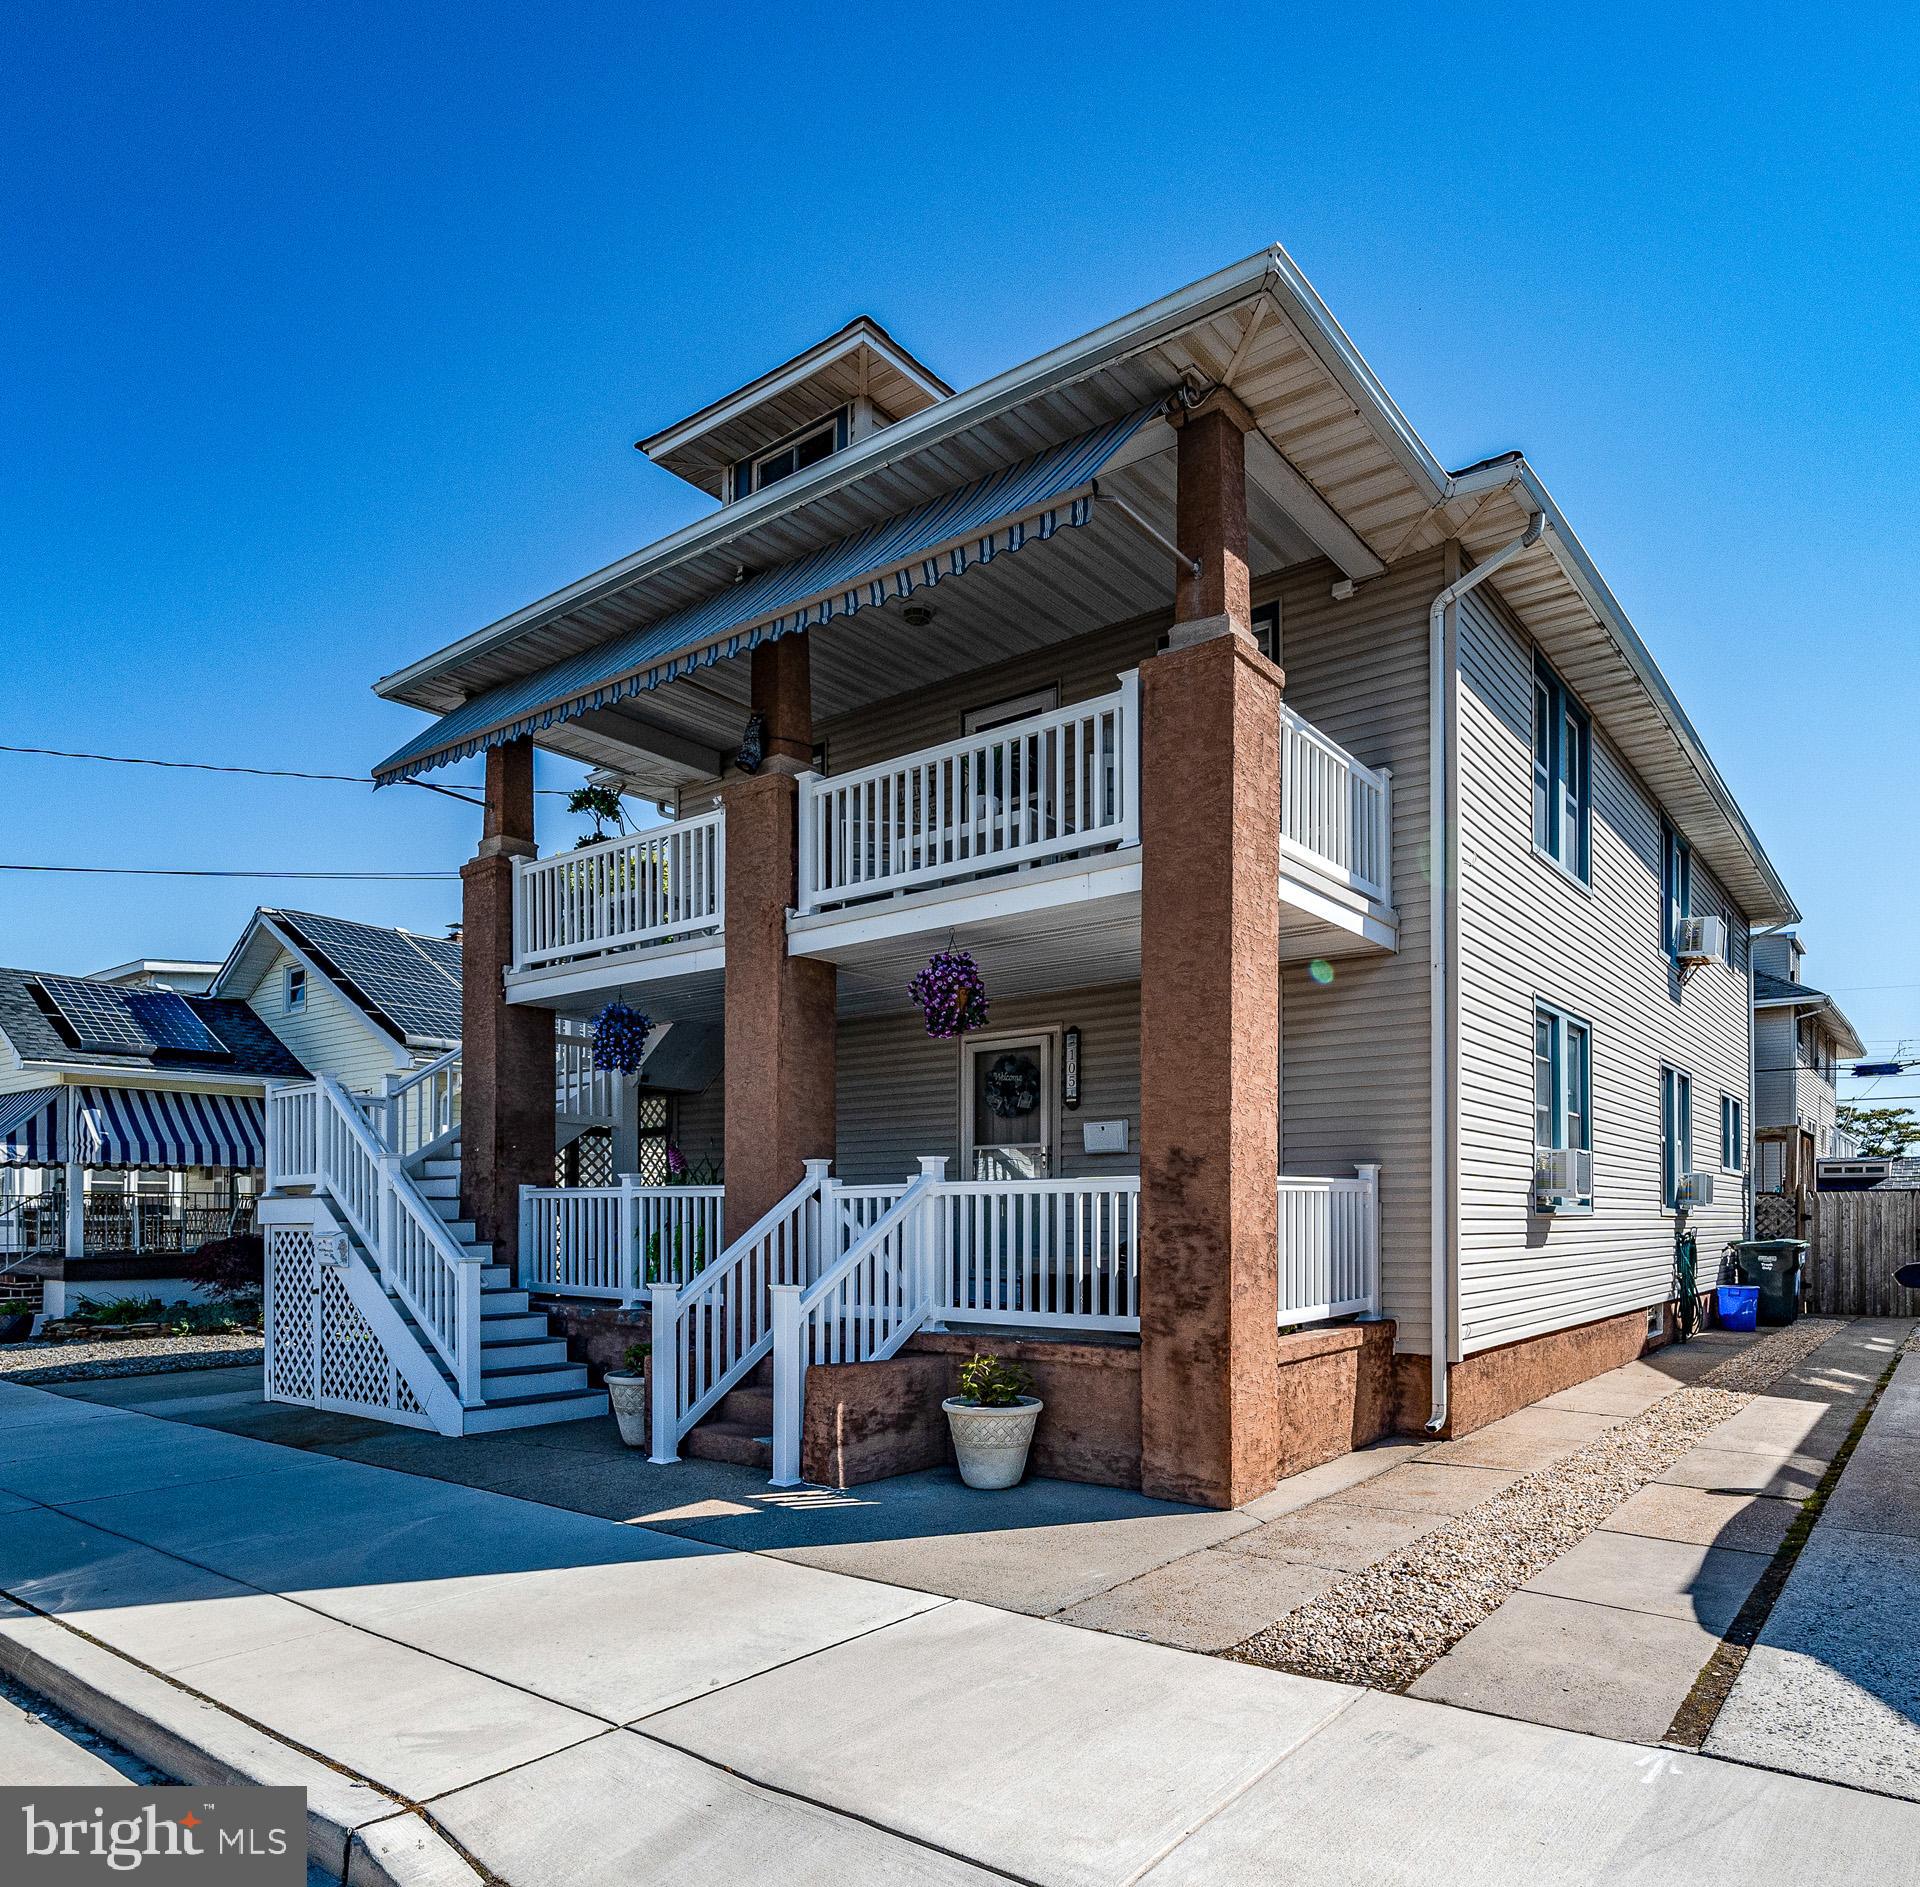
1443,878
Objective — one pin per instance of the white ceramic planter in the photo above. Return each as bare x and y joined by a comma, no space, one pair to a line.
628,1395
991,1444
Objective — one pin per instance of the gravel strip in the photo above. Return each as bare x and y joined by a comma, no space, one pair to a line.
41,1363
1385,1625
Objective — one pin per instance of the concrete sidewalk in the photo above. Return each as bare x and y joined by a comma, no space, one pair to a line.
580,1701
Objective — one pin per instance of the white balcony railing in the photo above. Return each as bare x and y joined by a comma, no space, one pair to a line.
1335,814
1042,788
1329,1246
580,1090
645,887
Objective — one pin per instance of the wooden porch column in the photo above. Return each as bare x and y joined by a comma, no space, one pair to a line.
1209,1008
506,1107
779,1029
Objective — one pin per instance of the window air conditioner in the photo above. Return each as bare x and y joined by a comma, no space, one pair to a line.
1696,1189
1562,1176
1701,939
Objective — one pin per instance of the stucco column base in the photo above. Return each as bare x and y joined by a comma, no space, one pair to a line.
779,1011
506,1054
1209,1072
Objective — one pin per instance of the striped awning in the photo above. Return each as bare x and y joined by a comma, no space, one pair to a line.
169,1127
30,1127
1003,512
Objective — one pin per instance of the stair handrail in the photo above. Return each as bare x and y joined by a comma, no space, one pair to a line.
414,1255
854,1327
728,1306
421,1109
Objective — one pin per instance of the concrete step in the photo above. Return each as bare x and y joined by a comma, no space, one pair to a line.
510,1385
520,1349
438,1168
496,1277
442,1186
752,1407
742,1443
535,1411
498,1301
511,1326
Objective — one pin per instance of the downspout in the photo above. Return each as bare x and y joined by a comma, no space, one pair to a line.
1443,879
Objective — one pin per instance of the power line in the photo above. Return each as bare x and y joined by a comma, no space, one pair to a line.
175,871
263,773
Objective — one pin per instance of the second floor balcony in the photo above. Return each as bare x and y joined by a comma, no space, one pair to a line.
998,836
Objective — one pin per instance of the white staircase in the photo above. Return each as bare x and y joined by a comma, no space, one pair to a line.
380,1300
525,1377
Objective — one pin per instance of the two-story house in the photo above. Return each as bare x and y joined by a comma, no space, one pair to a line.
1800,1037
1360,925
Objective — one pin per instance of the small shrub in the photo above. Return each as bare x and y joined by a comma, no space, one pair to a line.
992,1384
229,1268
117,1310
635,1357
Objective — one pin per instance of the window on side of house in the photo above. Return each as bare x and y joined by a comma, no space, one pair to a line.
296,988
1562,774
1733,1134
1676,1133
1266,630
815,441
1676,886
1562,1080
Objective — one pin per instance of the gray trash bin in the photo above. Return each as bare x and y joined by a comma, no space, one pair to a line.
1775,1265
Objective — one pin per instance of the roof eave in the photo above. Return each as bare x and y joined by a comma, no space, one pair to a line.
1270,269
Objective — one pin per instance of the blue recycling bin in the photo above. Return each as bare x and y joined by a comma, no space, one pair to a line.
1738,1305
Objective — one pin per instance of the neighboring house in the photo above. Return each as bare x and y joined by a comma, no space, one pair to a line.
132,1128
1800,1037
1364,925
371,1005
188,977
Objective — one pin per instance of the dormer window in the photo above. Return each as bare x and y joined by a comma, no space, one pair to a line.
814,442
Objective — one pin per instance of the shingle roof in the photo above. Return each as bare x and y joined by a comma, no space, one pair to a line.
1782,989
252,1047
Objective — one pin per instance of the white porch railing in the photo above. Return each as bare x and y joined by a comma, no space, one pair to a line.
580,1090
1036,789
422,1109
1335,814
860,1309
616,1241
1060,1252
318,1136
643,887
1330,1247
708,1336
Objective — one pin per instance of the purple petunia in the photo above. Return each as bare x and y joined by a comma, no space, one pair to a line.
952,993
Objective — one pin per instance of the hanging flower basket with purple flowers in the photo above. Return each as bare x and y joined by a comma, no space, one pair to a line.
952,993
620,1037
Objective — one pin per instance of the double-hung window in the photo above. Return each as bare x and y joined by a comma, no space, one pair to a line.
1676,1133
1562,772
296,987
1563,1092
1676,886
1733,1134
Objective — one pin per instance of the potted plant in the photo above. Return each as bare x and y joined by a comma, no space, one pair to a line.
992,1421
16,1319
627,1389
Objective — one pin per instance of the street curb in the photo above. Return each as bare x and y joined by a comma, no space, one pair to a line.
366,1838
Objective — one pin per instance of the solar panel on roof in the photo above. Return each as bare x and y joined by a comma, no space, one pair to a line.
114,1021
407,985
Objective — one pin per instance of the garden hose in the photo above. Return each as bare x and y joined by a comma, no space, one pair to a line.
1687,1309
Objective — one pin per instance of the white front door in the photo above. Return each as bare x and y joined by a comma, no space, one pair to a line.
1007,1096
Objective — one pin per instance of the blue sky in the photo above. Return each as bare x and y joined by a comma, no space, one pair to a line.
331,330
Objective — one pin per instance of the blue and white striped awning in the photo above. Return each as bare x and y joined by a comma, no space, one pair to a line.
30,1127
169,1127
1003,512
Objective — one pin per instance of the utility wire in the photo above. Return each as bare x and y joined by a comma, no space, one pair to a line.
264,773
174,871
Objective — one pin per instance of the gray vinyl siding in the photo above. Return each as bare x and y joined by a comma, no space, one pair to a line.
1528,933
1775,1073
899,1089
327,1034
1354,1053
699,1124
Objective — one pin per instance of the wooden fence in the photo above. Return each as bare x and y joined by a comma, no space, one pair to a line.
1860,1239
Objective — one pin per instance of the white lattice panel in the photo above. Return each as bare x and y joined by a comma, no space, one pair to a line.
290,1290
